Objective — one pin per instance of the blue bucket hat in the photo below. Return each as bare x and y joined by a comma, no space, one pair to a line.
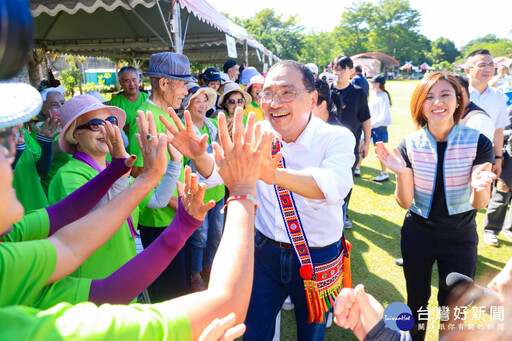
247,74
170,65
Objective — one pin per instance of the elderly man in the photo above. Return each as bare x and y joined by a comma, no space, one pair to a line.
169,73
299,220
131,98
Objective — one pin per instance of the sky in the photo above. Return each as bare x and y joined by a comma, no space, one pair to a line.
458,20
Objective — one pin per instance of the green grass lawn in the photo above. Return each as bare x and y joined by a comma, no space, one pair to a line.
377,220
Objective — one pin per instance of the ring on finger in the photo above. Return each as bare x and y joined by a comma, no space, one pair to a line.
189,193
114,141
149,136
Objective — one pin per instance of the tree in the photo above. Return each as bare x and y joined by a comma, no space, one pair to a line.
496,46
283,37
319,48
352,33
444,49
394,30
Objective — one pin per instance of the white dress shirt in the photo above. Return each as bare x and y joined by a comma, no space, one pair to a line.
494,103
325,152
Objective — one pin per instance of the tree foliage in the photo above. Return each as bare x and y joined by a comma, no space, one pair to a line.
496,46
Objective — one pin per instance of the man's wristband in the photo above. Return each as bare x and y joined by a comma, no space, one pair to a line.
499,157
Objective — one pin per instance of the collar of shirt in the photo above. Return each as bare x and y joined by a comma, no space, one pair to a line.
473,91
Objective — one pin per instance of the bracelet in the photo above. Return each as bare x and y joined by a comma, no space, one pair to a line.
499,157
249,197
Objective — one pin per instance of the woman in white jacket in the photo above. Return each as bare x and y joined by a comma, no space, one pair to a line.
379,104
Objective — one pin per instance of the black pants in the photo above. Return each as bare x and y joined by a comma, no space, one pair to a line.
175,279
454,252
497,211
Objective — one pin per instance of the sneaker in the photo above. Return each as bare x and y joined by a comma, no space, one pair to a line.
508,234
399,262
197,284
490,239
288,304
328,324
357,172
347,223
383,176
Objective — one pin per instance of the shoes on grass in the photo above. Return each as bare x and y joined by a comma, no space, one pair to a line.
383,176
508,234
357,173
491,239
399,262
347,223
288,304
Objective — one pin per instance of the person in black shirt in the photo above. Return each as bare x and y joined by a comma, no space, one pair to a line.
351,111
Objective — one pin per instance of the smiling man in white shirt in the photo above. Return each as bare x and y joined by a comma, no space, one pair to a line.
303,193
480,69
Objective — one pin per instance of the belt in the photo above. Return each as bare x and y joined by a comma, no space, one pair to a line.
289,246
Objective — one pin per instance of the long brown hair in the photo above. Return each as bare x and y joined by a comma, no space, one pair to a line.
420,93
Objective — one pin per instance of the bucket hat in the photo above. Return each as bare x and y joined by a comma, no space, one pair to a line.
170,65
247,74
258,79
210,94
20,102
81,105
233,87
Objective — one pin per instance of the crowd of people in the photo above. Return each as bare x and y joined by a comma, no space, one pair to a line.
238,185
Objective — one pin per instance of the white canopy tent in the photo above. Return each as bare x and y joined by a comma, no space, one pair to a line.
138,28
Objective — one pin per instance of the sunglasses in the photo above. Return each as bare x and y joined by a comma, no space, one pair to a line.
95,123
239,101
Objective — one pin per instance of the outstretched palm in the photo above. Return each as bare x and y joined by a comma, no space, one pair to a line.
394,161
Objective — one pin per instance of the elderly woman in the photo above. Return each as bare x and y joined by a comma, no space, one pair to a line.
443,176
82,118
205,240
232,98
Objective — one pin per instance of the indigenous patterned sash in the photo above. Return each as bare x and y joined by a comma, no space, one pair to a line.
323,282
89,161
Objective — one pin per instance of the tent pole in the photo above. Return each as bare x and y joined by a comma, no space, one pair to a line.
176,31
186,29
163,20
148,26
246,53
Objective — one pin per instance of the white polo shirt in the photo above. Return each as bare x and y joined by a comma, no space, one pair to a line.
327,153
494,103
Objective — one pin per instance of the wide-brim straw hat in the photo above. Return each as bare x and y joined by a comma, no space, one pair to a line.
81,105
233,87
210,94
20,102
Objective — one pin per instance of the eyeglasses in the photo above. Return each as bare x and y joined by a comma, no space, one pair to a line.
483,66
7,144
95,123
284,96
239,101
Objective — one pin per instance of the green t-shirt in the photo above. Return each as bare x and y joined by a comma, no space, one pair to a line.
117,250
130,109
26,178
24,270
215,193
59,160
150,217
34,225
86,321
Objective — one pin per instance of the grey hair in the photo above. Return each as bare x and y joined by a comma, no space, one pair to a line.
126,69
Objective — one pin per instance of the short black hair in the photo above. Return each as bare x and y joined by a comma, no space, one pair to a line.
324,93
358,69
463,82
478,52
343,62
307,76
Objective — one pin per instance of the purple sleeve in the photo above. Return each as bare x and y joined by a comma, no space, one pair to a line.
132,278
82,201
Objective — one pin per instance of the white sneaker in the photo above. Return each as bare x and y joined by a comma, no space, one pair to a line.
383,176
357,172
288,304
347,223
329,320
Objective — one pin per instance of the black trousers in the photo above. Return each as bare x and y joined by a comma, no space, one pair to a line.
497,210
175,279
454,252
